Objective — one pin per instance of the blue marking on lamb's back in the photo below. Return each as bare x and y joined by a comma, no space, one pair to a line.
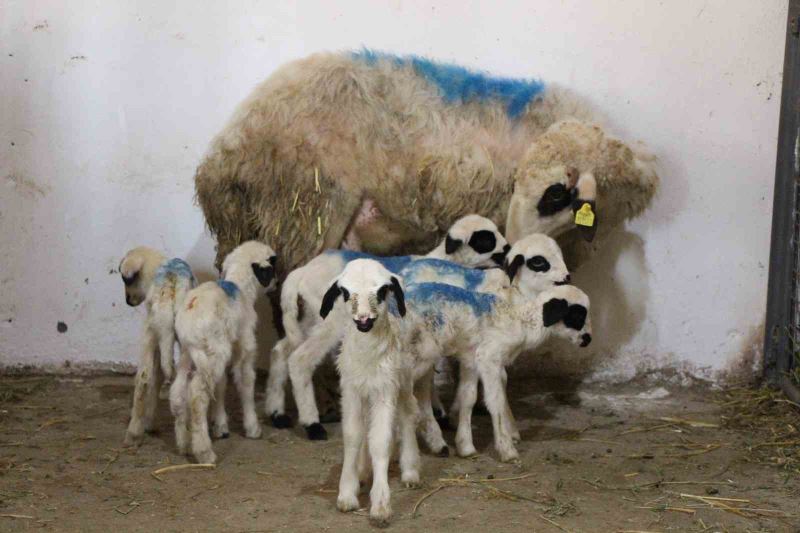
428,298
230,288
392,264
471,277
176,267
458,84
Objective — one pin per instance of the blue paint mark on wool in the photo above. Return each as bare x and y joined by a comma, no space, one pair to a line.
392,264
428,298
460,85
230,288
175,267
447,270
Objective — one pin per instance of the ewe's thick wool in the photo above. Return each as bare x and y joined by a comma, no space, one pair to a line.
425,143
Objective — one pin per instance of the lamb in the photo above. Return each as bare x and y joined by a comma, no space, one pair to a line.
377,384
216,329
473,241
162,285
389,151
487,332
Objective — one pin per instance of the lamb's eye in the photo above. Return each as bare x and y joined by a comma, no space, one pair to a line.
130,280
538,263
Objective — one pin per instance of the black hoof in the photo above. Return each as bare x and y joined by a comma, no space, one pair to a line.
331,417
444,423
444,452
281,421
225,435
315,431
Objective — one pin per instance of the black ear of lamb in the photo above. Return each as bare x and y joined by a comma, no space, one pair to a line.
399,297
329,299
576,317
483,241
554,311
451,245
513,266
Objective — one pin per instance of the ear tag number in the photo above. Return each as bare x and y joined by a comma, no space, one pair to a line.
585,216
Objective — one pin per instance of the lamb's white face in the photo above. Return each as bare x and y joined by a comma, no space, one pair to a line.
565,310
257,256
364,285
475,242
546,202
535,264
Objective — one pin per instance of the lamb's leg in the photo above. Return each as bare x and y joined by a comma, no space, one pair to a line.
245,377
430,429
353,436
145,392
496,402
220,417
382,415
364,462
198,405
275,403
508,418
466,395
302,363
166,345
178,398
442,367
409,449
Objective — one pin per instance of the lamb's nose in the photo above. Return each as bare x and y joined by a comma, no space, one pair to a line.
568,279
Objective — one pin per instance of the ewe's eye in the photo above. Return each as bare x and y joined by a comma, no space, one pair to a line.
538,263
555,198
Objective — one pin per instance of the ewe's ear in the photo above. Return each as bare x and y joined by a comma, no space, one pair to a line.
554,311
263,274
584,206
451,245
399,297
576,317
513,266
329,299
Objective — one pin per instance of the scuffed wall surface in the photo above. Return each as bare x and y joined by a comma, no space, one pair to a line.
106,109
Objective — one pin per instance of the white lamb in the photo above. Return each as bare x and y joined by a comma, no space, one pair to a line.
162,285
377,384
473,241
487,332
216,329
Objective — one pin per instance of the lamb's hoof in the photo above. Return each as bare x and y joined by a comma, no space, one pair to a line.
380,518
467,451
207,457
509,456
132,441
480,410
163,392
316,431
411,480
331,417
282,421
220,431
347,503
225,435
444,452
253,432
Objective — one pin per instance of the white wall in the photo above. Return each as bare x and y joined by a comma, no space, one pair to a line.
107,107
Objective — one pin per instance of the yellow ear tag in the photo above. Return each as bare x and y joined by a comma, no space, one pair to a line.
584,216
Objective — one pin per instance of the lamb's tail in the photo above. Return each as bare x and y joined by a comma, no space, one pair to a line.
290,306
203,368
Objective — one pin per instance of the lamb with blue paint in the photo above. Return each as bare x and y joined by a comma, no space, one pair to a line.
162,285
216,328
473,241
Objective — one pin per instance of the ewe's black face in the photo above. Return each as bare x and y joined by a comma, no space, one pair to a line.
552,201
475,242
566,312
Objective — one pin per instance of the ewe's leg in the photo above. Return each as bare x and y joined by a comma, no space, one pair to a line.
245,377
466,396
430,429
145,392
409,449
275,403
198,405
496,403
382,415
302,363
178,398
220,427
166,343
353,436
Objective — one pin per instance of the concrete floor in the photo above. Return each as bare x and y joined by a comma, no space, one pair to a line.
592,459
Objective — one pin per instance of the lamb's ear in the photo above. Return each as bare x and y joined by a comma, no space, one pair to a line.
554,311
329,299
513,266
451,245
399,297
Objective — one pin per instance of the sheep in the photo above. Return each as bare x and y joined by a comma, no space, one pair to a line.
389,151
487,332
162,285
377,384
473,241
216,329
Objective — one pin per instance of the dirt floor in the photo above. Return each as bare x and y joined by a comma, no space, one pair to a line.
592,459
